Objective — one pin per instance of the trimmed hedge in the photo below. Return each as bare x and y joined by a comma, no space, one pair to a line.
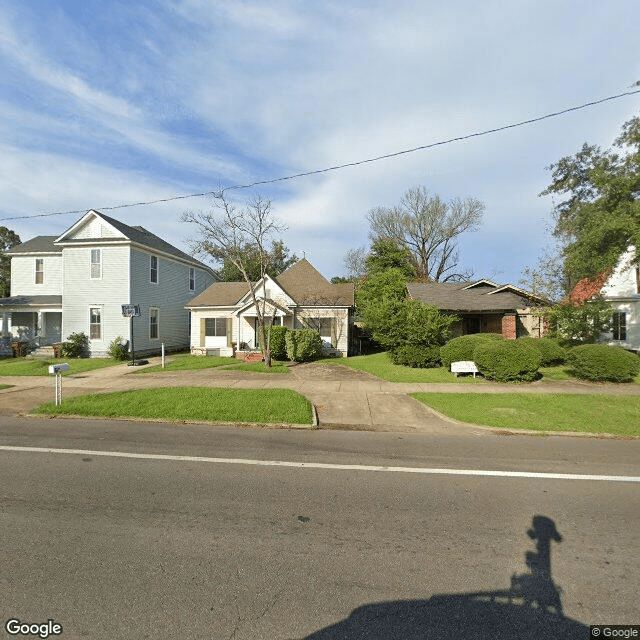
603,363
551,352
303,345
278,343
462,348
507,360
418,356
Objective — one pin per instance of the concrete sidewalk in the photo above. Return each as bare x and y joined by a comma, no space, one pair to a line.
343,398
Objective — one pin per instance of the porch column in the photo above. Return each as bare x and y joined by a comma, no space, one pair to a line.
509,326
40,328
5,324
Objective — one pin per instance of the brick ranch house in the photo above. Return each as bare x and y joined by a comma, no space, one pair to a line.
484,307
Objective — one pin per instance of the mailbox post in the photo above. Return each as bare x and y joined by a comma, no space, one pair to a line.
56,370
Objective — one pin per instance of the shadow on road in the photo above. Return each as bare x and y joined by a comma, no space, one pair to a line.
530,609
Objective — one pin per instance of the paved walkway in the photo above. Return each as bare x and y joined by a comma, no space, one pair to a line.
343,397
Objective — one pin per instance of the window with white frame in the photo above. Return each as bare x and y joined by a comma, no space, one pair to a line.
96,263
192,279
95,323
153,323
154,269
39,270
619,325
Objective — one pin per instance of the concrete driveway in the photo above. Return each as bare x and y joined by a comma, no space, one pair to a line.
344,398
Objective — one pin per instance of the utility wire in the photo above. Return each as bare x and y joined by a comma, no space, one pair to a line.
395,154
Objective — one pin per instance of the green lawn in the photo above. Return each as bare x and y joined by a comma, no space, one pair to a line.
191,403
187,362
40,366
378,364
619,415
6,386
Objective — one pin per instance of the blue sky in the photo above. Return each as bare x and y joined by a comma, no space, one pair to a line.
105,103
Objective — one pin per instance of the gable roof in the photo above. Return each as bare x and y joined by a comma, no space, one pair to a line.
39,244
587,288
464,296
302,282
137,234
221,294
306,285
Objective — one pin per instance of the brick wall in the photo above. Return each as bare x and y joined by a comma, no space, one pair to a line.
509,326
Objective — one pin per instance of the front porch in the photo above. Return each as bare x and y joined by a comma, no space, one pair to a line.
29,326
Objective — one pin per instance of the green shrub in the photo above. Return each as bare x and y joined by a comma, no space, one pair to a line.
303,345
118,350
507,360
602,363
550,351
76,346
462,348
277,342
418,356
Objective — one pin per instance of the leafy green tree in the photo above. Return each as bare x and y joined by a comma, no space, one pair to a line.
385,254
8,240
575,324
599,216
276,260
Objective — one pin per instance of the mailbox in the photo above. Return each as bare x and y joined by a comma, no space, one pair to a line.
58,368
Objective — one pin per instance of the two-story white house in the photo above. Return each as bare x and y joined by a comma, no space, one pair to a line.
620,287
78,282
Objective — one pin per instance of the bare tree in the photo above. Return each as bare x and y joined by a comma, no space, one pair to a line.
429,227
224,234
354,262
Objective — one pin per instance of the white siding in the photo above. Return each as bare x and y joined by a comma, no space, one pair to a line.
23,278
197,315
95,229
81,292
341,323
621,290
169,295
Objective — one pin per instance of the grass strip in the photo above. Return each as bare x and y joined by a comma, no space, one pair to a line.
618,415
191,403
40,366
379,365
187,362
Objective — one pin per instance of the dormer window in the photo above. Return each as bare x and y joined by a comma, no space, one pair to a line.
154,269
96,263
39,270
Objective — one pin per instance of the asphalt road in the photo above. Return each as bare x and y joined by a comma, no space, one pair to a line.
222,547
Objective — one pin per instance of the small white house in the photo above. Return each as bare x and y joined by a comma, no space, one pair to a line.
78,282
622,291
224,318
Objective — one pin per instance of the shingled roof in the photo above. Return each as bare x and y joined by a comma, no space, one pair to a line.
306,285
301,282
39,244
469,296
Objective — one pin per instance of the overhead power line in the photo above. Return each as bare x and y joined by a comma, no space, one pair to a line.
338,166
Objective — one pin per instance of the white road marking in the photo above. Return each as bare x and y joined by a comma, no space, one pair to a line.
324,465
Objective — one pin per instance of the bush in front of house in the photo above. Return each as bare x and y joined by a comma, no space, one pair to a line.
76,346
118,349
278,343
551,352
603,363
507,360
303,345
462,348
417,356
